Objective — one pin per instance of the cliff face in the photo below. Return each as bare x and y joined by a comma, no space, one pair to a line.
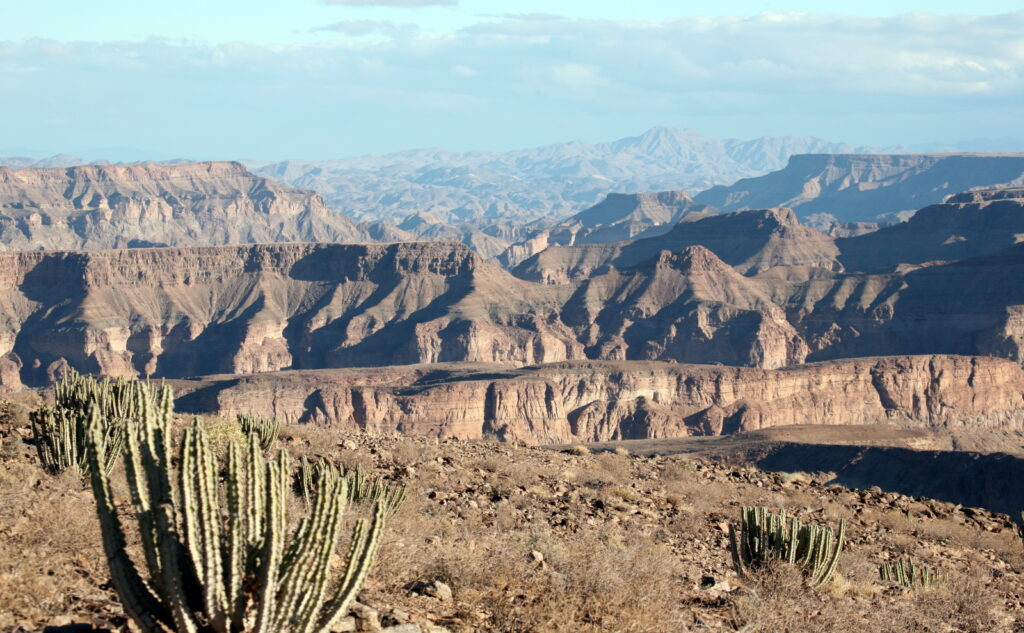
852,187
599,401
173,312
750,241
111,206
191,311
966,225
687,305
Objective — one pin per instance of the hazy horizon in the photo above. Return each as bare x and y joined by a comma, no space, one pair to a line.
324,79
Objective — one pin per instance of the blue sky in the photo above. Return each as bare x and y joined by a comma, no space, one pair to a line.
329,78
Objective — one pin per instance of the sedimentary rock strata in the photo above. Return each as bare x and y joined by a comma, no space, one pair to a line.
599,401
119,206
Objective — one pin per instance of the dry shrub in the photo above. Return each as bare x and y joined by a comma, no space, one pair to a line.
677,469
588,586
775,599
51,558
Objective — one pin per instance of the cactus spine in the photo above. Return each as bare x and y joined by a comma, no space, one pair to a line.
59,429
764,535
223,563
265,429
359,487
904,572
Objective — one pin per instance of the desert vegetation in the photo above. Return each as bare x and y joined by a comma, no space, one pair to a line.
492,537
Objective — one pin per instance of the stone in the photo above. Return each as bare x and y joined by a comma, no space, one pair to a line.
346,624
367,618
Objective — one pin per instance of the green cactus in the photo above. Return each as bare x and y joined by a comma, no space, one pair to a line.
360,488
764,535
265,429
59,429
904,572
217,556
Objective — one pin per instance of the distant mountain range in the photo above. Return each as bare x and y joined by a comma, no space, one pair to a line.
545,183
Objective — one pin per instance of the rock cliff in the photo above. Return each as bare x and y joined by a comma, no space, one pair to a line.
175,312
863,187
115,206
599,401
192,311
968,224
750,241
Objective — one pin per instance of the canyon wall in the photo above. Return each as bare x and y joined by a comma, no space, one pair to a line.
825,188
121,206
605,400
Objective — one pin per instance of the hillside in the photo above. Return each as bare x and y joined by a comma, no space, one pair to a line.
966,225
750,241
110,206
537,540
864,188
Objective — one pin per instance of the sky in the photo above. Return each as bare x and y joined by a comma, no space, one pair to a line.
321,79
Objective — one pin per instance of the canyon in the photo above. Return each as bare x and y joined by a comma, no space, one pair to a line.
596,401
125,206
644,316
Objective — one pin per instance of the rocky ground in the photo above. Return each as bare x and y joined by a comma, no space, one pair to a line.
505,538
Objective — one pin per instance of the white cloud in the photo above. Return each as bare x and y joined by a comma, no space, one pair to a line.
929,75
579,76
356,28
464,71
393,3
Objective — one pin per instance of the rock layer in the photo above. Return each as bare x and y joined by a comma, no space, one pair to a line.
115,206
863,187
601,401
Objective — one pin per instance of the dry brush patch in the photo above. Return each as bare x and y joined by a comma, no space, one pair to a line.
537,540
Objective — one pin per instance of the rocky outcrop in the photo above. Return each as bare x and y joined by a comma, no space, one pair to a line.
617,218
973,306
600,401
174,312
858,187
118,206
966,225
750,241
193,311
687,305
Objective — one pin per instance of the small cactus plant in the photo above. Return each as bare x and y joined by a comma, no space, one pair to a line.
217,557
359,487
904,572
59,429
265,429
764,535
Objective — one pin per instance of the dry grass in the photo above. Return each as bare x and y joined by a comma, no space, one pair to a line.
626,544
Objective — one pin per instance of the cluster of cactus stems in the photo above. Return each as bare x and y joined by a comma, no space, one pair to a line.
59,429
904,572
264,429
216,553
764,536
359,487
